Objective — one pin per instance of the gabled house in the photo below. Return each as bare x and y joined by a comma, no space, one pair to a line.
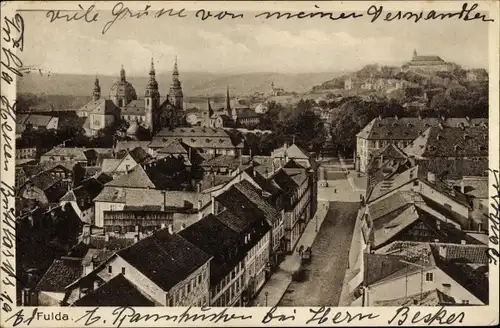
227,279
165,268
458,271
235,211
82,197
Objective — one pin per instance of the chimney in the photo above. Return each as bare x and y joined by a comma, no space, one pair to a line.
420,116
463,242
136,228
380,116
396,117
136,238
274,167
447,289
438,225
96,284
462,187
212,179
93,263
431,177
467,118
163,226
254,172
213,205
442,251
198,187
170,229
441,126
250,151
106,237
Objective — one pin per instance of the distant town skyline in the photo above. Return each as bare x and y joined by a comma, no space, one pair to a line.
246,45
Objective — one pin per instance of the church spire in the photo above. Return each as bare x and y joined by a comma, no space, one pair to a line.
122,73
175,72
210,110
228,102
414,53
96,95
152,69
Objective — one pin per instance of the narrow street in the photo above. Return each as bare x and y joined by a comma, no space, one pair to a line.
330,251
330,235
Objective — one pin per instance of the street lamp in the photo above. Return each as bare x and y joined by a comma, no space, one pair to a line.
266,297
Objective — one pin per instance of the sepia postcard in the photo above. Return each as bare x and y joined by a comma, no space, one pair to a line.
249,163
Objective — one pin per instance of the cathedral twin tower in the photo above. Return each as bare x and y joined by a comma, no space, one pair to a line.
149,113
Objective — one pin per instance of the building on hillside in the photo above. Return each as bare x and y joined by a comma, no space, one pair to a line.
165,268
82,197
400,131
427,64
274,91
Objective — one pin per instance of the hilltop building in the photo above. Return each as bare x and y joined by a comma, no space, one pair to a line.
427,63
149,113
277,91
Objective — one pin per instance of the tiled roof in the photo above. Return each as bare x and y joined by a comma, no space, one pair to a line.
255,196
84,194
164,258
115,244
72,154
390,225
38,120
129,145
380,266
226,161
217,240
101,106
433,297
238,203
193,131
97,255
454,169
136,178
139,154
462,220
109,165
135,107
44,180
408,128
49,165
477,188
174,147
60,274
473,279
476,254
450,142
116,292
388,204
292,151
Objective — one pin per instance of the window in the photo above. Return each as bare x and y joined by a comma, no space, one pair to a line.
415,183
123,270
110,269
465,301
429,276
199,279
189,288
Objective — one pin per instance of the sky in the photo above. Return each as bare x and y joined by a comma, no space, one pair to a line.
245,45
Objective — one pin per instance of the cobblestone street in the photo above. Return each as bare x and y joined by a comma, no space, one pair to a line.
330,234
330,251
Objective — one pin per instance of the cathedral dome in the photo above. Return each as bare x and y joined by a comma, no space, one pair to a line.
122,89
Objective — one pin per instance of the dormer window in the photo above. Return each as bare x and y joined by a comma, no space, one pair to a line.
457,148
439,137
